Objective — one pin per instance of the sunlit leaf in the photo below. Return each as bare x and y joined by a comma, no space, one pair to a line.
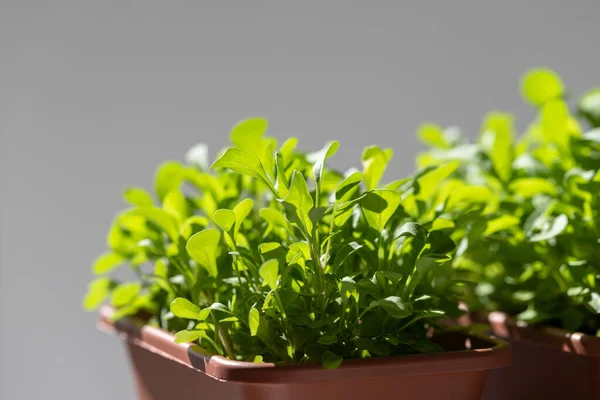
375,161
125,293
298,203
107,262
203,247
254,321
243,162
379,206
539,85
188,336
137,197
269,271
183,308
433,135
348,187
330,360
98,291
225,219
169,175
320,157
498,131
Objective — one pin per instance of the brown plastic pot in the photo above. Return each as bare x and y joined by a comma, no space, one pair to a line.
165,370
548,363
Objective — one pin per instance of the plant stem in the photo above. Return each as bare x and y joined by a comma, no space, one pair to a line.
331,226
186,272
218,337
284,321
224,336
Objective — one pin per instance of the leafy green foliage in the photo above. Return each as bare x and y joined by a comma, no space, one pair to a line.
272,256
526,210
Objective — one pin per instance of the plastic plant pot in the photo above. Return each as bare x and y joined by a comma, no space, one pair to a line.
549,363
165,370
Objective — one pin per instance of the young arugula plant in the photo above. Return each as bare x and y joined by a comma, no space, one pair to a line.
526,209
272,256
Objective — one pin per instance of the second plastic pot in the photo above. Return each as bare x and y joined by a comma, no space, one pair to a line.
548,363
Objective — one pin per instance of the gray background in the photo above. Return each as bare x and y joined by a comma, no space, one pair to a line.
94,94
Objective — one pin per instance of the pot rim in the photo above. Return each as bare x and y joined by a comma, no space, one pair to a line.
156,340
506,326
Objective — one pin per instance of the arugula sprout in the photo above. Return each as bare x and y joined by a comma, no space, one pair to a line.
271,255
525,210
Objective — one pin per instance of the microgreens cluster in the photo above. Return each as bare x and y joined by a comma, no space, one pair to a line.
270,255
526,211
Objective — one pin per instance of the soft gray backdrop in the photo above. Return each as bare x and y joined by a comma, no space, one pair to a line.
94,94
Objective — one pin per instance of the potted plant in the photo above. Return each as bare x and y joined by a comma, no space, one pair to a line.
529,236
270,275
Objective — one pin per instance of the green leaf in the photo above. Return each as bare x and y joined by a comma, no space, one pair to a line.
169,175
529,187
107,262
273,217
440,243
249,133
559,224
319,158
241,211
175,204
272,250
192,225
281,182
433,135
345,252
348,187
203,248
161,271
429,182
269,271
327,339
98,290
243,162
229,319
330,360
394,306
540,85
125,293
375,161
287,149
298,203
498,130
378,207
183,308
500,224
555,122
188,336
589,106
159,217
225,219
205,312
411,229
138,197
253,321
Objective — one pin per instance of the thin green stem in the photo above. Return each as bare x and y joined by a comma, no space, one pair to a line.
284,321
186,272
331,226
225,339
